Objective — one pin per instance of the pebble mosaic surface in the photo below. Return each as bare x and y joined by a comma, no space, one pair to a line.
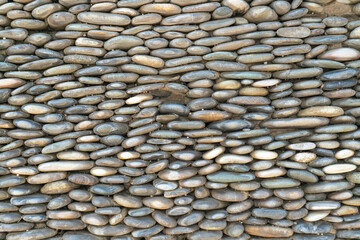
179,119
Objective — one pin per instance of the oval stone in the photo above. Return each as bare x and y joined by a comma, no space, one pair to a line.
341,54
103,18
294,32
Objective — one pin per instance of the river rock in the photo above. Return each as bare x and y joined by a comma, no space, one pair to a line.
268,231
261,14
341,54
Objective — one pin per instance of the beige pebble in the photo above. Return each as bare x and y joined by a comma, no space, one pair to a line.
264,154
304,157
344,153
339,168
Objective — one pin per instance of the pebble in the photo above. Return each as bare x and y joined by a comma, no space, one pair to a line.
280,182
186,18
213,235
261,14
341,54
339,168
302,175
110,230
293,32
268,231
207,204
228,177
33,234
264,154
228,195
103,18
65,166
297,122
328,187
163,9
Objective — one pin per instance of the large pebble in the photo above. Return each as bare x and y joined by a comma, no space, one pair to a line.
228,177
103,18
341,54
268,231
261,14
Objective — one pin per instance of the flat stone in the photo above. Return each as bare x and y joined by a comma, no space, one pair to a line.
11,180
295,32
128,201
337,128
35,234
228,177
158,202
268,231
11,83
348,234
68,224
105,129
249,100
17,34
269,213
341,54
37,108
335,21
15,227
228,195
305,122
341,74
233,159
339,168
312,228
225,66
302,175
161,8
264,154
322,63
213,235
234,30
294,14
298,73
57,187
103,18
246,75
289,193
186,18
327,39
123,42
314,216
323,205
210,115
280,183
323,187
230,125
65,166
321,111
59,146
82,92
72,235
207,203
42,178
110,230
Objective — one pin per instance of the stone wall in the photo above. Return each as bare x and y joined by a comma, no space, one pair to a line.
179,119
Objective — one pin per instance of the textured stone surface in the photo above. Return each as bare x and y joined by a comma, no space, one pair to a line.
141,119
